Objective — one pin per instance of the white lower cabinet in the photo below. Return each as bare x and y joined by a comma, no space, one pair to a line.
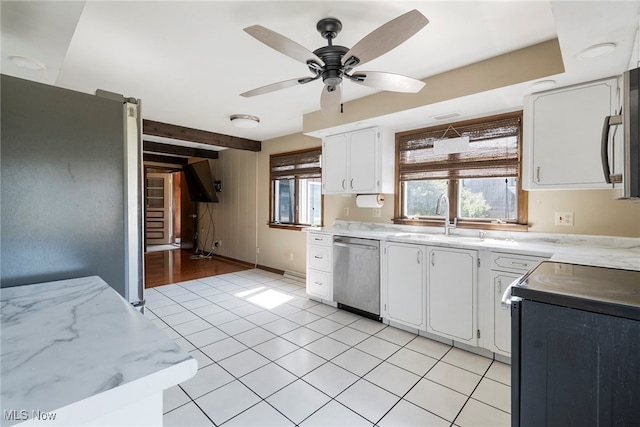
501,342
320,266
452,294
505,268
319,284
404,278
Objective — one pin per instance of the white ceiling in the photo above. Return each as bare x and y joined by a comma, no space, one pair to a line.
189,61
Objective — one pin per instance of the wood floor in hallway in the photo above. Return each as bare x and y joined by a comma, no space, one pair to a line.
165,267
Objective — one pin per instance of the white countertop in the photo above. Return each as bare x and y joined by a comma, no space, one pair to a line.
599,251
68,341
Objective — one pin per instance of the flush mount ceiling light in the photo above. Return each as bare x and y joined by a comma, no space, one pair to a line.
27,63
244,121
597,50
542,85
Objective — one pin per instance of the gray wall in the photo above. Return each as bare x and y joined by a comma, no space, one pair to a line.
62,162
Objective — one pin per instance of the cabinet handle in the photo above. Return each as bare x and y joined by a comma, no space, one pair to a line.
418,257
433,259
499,287
318,239
344,181
520,264
538,174
351,184
318,257
318,283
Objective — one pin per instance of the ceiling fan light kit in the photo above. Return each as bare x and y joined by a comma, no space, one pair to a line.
244,121
333,63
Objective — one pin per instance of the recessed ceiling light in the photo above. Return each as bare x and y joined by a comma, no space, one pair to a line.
28,63
596,51
244,121
541,85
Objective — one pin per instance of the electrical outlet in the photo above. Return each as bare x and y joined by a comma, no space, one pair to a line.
564,218
291,256
375,212
345,212
257,250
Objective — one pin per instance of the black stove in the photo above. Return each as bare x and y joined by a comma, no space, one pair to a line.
603,290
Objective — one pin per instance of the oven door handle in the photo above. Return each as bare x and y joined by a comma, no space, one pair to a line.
505,302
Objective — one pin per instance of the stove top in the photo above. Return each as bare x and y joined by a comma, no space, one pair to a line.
601,289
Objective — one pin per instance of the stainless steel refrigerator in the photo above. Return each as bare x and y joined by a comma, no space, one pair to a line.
71,189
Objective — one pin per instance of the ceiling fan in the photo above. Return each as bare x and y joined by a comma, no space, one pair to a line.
334,63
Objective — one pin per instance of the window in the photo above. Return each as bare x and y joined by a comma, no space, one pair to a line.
296,193
482,181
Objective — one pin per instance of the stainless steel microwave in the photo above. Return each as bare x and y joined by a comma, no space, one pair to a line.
627,179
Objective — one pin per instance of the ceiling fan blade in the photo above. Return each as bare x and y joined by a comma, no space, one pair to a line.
388,81
282,44
386,37
277,86
331,99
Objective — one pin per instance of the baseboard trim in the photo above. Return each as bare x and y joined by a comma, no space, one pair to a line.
250,265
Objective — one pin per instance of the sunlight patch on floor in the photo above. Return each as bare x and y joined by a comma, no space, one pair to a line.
270,299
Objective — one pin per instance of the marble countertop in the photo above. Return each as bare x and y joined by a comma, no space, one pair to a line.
67,341
599,251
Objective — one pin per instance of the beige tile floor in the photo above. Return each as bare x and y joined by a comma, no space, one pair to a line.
269,356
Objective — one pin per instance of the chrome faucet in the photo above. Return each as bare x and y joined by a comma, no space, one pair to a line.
447,223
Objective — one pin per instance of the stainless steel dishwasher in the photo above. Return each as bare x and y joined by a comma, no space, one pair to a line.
356,275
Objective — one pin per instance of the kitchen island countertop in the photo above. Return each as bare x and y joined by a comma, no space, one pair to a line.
76,349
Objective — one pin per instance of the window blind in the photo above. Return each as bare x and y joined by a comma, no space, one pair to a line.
298,164
493,150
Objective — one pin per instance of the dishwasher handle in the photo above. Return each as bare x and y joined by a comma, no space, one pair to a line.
357,245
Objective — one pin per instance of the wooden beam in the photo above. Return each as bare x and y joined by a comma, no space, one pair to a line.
181,133
178,150
170,160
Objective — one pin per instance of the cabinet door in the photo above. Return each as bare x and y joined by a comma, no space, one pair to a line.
405,284
451,294
501,316
334,164
564,129
363,162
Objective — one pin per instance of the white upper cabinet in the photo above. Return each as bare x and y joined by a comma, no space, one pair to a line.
358,162
562,136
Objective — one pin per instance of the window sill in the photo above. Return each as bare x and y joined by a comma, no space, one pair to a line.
297,227
484,225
